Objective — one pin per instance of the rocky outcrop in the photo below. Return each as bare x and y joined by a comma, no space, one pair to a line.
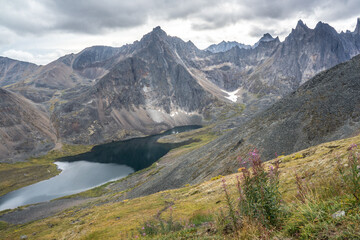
25,130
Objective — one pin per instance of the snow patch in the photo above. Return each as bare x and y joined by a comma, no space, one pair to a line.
146,89
231,95
159,115
172,114
181,112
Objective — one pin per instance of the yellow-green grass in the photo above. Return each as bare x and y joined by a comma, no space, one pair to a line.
199,138
16,175
316,163
122,220
224,110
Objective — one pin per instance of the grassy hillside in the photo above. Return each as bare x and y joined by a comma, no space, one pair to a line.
196,207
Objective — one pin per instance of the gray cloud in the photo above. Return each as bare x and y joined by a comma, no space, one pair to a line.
215,21
95,17
257,31
340,10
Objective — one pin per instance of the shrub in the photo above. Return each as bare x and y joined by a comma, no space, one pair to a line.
259,197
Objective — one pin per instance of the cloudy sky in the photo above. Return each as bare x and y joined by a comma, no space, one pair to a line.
40,31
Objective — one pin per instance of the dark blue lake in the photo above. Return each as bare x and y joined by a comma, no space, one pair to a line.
104,163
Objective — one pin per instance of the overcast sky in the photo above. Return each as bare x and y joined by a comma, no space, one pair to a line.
41,31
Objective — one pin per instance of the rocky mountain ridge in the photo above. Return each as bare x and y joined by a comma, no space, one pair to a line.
278,68
161,81
225,46
12,71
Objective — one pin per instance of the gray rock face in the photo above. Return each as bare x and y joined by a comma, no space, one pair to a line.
25,130
149,91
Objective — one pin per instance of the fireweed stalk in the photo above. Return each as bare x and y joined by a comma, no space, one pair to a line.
258,192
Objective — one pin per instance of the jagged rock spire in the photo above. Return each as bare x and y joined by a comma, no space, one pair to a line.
300,24
357,29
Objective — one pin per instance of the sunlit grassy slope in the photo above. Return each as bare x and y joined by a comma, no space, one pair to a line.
123,219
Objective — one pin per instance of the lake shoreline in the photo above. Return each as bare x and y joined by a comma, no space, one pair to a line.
140,153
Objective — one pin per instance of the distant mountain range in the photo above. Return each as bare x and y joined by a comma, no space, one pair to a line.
226,46
104,93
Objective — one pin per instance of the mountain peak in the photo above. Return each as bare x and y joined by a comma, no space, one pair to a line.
324,27
320,24
158,31
357,29
266,38
301,25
